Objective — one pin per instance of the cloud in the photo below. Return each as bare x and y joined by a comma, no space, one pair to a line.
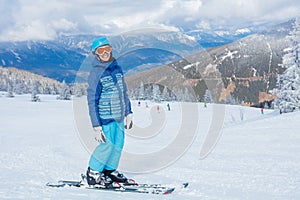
35,30
203,25
244,12
34,20
7,9
63,24
42,19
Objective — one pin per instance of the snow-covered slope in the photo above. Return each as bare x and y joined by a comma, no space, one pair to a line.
257,156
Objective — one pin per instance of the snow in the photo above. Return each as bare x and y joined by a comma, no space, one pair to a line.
16,54
242,31
254,71
229,54
210,68
222,33
187,66
257,156
188,38
28,45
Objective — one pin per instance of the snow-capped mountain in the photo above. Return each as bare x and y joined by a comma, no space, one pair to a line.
144,49
47,58
210,39
61,58
248,67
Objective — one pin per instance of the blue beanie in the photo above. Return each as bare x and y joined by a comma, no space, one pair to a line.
98,42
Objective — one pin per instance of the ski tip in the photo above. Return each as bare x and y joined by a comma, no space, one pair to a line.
169,191
55,184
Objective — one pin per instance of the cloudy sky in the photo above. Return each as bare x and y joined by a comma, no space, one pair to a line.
44,19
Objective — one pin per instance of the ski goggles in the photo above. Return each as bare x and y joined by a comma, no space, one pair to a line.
101,50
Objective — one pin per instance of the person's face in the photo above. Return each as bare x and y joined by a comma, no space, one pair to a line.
104,53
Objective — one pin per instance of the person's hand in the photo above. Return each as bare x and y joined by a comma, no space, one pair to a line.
100,137
128,121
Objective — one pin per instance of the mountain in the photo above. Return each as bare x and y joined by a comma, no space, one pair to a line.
245,61
242,71
210,39
61,58
47,58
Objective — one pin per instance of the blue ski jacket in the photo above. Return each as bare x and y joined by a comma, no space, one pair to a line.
107,94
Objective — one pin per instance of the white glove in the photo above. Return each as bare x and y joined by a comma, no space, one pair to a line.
128,121
100,137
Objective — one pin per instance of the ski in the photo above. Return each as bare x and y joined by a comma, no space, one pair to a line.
136,189
122,187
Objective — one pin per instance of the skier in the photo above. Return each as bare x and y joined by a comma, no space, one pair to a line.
157,108
262,110
110,111
169,107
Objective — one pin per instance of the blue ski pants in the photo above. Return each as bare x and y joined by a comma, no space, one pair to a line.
107,155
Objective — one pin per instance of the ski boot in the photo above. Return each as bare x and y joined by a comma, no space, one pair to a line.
95,178
115,176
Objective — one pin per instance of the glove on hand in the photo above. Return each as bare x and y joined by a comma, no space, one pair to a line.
100,137
128,121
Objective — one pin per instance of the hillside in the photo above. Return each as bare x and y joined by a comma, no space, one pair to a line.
22,81
242,71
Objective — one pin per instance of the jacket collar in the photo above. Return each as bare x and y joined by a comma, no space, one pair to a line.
106,65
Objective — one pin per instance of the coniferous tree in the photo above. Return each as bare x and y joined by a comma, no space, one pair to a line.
34,92
65,92
10,89
79,90
207,96
187,96
141,91
156,93
288,92
165,94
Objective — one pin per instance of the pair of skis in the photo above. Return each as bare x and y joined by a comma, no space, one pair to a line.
122,187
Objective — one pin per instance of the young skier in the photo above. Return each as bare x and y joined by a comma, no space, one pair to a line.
110,111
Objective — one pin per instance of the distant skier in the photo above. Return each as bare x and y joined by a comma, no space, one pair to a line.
169,107
139,104
205,105
262,110
109,110
158,108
